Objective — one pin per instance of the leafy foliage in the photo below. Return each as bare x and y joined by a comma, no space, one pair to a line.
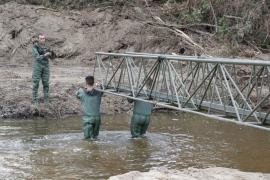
235,20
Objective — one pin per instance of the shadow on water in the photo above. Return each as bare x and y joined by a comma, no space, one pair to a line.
54,149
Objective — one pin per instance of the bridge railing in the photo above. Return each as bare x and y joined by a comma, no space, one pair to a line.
237,89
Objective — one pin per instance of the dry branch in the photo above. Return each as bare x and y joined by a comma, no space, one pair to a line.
214,15
177,31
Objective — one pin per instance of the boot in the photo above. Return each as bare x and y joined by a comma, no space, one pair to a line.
36,108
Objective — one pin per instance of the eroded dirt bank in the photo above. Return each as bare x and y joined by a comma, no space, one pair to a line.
16,91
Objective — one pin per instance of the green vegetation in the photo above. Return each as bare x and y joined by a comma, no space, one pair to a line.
235,20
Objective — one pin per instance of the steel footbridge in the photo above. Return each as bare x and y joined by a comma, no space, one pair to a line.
236,90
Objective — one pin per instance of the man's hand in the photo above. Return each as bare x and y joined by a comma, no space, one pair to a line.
47,54
98,83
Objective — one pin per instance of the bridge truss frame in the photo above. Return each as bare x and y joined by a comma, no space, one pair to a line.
236,90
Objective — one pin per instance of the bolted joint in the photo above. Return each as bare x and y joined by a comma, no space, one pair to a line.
161,58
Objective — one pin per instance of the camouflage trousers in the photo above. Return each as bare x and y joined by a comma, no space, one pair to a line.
42,72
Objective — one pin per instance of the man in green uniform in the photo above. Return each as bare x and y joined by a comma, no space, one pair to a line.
141,117
141,114
90,100
40,70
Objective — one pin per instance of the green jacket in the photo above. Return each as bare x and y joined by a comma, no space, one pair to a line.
90,101
38,54
141,107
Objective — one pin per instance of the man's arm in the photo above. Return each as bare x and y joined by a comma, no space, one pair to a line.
79,93
37,56
50,53
98,85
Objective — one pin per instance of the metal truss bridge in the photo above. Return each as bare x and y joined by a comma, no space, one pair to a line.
235,90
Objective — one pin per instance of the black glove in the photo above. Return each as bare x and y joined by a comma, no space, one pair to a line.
53,54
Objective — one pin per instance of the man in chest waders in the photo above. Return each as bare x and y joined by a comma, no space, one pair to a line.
141,116
90,100
40,70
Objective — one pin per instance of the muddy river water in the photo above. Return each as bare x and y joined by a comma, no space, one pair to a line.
55,149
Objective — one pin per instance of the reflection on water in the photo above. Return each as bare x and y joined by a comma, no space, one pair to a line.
54,149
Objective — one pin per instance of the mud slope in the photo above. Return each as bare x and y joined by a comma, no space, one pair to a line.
77,35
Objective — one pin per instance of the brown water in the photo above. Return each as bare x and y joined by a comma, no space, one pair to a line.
54,149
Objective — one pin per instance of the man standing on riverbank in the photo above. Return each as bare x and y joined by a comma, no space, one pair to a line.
40,70
90,100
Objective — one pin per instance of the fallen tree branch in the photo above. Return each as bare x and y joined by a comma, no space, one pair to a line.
200,32
178,32
184,35
233,17
254,47
2,36
201,24
214,15
187,27
43,8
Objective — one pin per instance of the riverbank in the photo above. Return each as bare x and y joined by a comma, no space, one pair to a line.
16,93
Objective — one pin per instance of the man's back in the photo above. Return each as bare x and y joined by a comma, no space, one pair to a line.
90,101
141,107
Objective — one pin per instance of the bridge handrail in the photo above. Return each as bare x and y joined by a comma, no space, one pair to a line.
202,59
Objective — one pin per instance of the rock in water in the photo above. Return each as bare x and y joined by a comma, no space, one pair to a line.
216,173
